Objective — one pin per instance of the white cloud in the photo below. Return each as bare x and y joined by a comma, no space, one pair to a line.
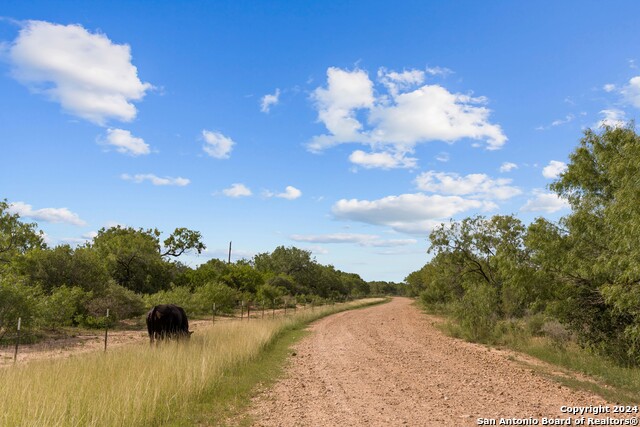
55,215
613,118
346,92
609,87
442,157
439,71
155,180
269,100
237,190
408,213
396,82
217,145
290,193
126,143
86,73
475,185
554,169
359,239
382,160
631,92
545,202
508,167
567,119
410,113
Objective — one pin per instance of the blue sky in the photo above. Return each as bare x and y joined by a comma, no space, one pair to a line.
349,129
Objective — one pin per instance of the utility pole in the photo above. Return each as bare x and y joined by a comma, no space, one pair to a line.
229,261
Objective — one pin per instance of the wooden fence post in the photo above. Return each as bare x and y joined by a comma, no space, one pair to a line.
213,316
106,329
15,354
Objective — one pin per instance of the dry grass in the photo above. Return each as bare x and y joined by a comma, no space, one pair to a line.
137,384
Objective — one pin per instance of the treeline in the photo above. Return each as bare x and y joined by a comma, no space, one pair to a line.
577,279
128,270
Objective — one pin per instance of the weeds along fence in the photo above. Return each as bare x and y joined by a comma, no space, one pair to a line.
13,341
138,384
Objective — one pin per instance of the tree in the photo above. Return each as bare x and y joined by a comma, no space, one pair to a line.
293,262
64,266
135,257
600,239
16,237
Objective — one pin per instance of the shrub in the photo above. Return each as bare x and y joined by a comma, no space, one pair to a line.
122,303
478,312
557,333
222,295
17,300
178,295
63,306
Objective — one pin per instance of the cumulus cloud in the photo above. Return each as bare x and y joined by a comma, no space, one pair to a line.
237,190
609,87
554,169
55,215
359,239
126,143
89,75
545,202
269,100
155,180
290,193
382,160
477,185
409,113
631,92
217,145
508,167
613,118
408,213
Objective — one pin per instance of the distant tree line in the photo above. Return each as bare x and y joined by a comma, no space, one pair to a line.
128,270
581,273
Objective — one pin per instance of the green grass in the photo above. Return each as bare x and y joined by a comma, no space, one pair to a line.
205,382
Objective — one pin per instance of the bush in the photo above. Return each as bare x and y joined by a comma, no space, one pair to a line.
478,312
17,300
62,307
557,333
178,295
122,303
222,295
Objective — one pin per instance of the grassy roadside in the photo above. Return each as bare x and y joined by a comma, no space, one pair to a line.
225,403
203,382
569,364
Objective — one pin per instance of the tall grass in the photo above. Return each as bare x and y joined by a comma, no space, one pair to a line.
137,384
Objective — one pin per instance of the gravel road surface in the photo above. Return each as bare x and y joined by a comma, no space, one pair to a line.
388,365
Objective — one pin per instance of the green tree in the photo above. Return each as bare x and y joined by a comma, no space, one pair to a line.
135,260
600,240
64,266
16,237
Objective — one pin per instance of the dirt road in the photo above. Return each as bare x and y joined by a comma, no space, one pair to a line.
388,365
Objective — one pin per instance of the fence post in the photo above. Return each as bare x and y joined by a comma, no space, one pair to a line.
273,307
295,305
15,354
248,310
284,301
263,309
241,309
213,316
106,329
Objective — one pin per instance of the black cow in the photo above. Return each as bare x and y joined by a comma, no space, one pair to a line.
167,321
